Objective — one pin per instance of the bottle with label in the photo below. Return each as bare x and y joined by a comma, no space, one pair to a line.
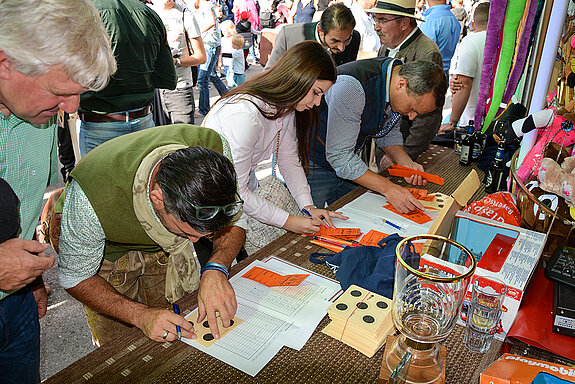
477,142
494,178
467,147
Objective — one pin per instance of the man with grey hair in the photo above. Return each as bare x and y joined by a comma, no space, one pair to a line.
354,111
401,38
50,52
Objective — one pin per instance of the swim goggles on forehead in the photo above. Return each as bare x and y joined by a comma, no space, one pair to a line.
210,211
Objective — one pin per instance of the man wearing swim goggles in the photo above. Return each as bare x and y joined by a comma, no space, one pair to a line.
132,210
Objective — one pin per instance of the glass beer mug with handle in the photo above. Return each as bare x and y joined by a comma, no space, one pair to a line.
431,279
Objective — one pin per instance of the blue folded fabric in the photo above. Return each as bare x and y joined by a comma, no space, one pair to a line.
372,268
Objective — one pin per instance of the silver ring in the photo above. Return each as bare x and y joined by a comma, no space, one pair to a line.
165,335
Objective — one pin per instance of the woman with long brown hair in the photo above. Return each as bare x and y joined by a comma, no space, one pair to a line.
259,117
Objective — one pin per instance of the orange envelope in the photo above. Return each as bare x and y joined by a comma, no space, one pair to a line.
372,238
272,279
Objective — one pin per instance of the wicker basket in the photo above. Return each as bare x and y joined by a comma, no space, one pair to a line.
538,216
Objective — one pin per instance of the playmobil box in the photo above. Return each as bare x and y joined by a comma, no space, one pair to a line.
503,251
513,369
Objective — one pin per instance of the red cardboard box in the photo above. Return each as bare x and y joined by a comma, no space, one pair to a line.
513,369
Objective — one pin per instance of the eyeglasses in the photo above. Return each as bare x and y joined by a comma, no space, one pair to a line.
384,21
210,211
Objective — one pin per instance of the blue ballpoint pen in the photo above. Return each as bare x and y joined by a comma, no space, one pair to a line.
177,312
390,223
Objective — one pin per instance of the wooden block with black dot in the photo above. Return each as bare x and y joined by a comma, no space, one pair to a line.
360,309
204,334
438,203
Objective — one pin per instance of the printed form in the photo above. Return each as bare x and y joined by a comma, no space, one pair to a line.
272,316
367,211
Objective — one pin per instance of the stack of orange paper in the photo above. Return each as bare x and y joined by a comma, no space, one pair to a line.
335,239
361,319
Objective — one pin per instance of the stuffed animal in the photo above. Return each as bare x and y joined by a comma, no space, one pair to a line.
556,179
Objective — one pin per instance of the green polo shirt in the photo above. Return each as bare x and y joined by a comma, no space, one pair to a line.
29,163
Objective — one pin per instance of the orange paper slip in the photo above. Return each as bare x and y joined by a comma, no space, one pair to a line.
415,216
341,233
418,193
372,238
401,171
273,279
421,194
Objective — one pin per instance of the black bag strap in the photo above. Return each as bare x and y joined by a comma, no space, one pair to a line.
190,50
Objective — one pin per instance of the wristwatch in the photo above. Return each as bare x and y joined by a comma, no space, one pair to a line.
454,125
178,62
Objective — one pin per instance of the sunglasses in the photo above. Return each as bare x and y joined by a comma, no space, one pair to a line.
210,211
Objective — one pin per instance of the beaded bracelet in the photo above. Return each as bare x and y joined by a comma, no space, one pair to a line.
215,267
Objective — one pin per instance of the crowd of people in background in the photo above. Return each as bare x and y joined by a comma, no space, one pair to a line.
349,88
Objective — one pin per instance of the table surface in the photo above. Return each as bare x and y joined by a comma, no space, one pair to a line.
133,358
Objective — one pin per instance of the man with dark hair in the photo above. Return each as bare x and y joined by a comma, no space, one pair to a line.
401,38
335,32
132,209
365,102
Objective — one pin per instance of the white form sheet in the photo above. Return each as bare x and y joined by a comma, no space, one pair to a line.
272,316
366,212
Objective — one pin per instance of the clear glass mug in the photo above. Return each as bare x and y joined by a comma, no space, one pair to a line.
484,313
431,278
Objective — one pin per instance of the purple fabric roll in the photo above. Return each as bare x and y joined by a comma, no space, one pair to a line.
496,18
522,50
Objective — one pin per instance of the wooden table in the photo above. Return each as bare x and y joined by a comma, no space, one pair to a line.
133,358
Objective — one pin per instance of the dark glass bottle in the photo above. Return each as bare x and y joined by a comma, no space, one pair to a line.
496,171
467,147
477,142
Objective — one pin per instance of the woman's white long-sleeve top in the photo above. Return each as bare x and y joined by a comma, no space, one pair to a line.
253,139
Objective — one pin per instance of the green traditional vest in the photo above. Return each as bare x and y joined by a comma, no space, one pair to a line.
106,175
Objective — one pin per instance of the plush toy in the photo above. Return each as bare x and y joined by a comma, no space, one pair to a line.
556,179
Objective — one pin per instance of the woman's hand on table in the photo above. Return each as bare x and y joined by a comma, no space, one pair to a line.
402,199
324,214
310,225
302,224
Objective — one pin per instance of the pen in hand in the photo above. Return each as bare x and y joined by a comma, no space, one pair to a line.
178,329
306,212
